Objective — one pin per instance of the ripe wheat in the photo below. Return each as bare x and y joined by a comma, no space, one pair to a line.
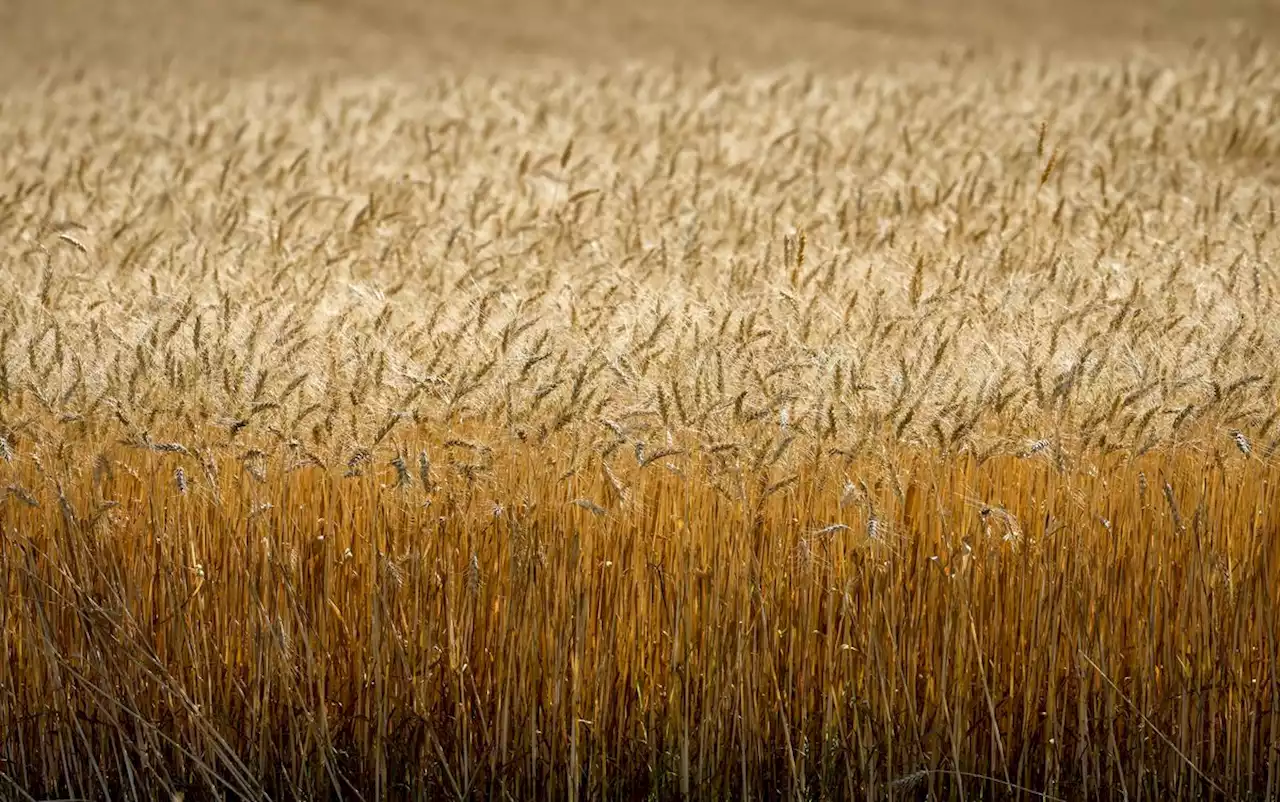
786,434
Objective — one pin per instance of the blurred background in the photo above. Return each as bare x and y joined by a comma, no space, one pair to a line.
248,36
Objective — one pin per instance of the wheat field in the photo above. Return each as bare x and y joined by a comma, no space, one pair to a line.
751,427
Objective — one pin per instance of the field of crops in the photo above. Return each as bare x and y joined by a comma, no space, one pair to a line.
644,431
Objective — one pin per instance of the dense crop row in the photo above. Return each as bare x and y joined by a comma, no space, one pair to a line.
644,432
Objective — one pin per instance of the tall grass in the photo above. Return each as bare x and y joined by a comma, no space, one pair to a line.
320,633
644,434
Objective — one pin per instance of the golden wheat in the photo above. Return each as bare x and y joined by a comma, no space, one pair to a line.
781,435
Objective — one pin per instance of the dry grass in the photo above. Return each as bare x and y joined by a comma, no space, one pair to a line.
644,433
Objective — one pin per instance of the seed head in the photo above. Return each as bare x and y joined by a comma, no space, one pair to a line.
1034,448
424,469
1242,442
402,472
